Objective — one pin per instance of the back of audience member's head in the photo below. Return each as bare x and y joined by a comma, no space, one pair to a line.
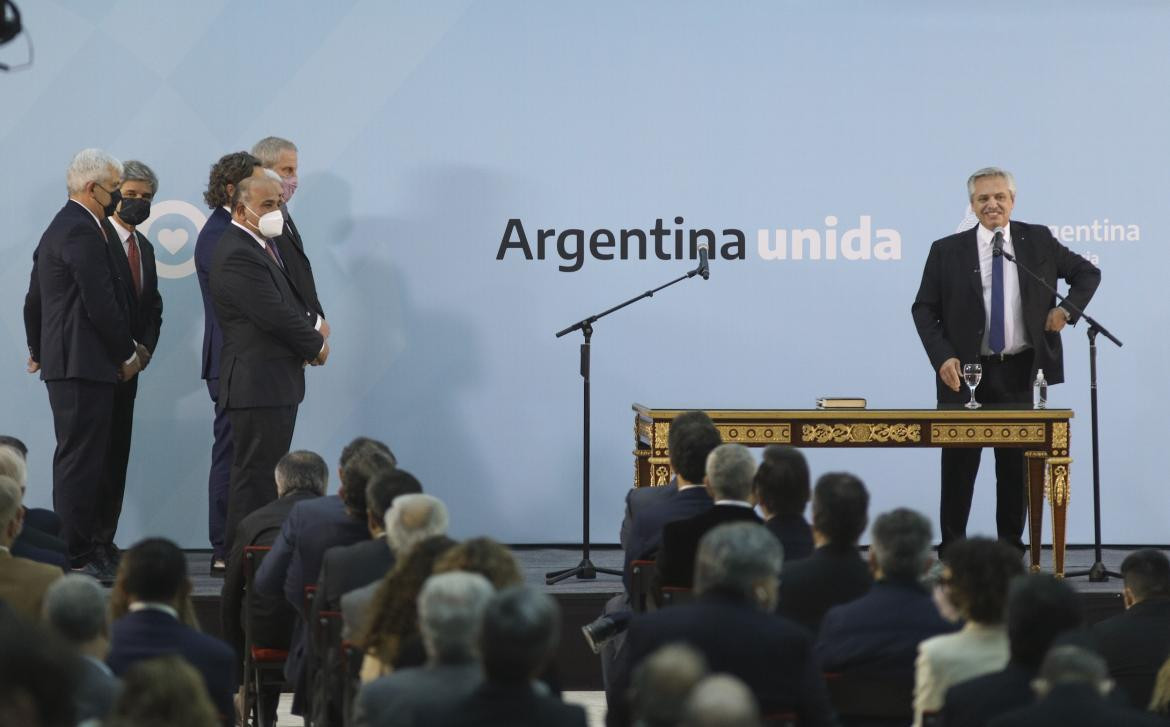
75,608
721,700
900,544
13,464
1072,665
486,557
661,682
1040,607
521,626
356,476
301,471
412,519
156,571
163,691
692,437
840,506
1146,574
36,671
7,440
10,510
730,469
360,445
381,491
743,559
980,570
450,612
781,484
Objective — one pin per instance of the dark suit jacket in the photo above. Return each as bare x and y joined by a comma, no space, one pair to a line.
645,536
795,536
144,312
638,499
274,617
72,320
771,654
292,252
348,567
833,574
948,310
96,691
1075,706
680,541
975,702
495,705
141,635
267,329
1135,644
205,246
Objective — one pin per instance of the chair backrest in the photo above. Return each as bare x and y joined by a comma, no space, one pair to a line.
872,695
642,585
253,555
351,655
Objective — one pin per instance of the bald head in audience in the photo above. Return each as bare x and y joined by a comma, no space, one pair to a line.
720,700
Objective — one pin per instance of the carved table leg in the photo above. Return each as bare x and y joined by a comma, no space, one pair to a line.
1035,486
1058,473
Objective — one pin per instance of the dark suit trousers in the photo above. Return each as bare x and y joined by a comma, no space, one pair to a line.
1003,382
260,437
113,486
81,420
219,478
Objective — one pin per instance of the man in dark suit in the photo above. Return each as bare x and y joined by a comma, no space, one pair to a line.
226,173
730,469
80,341
974,306
835,572
781,489
156,582
1039,609
269,335
136,281
75,608
733,625
1136,643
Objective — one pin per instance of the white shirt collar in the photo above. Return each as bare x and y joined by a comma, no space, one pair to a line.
737,503
91,214
985,235
154,606
690,487
121,229
259,240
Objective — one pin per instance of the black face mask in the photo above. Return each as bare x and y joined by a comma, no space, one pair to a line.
115,198
134,210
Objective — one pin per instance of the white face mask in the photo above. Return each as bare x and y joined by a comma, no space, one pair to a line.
271,224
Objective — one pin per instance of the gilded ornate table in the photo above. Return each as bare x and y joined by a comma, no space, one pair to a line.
1042,433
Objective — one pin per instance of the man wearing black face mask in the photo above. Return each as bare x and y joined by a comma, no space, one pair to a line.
80,342
137,284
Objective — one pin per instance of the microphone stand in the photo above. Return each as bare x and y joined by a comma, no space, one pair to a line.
585,570
1097,573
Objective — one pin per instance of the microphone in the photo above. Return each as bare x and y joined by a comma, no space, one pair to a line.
704,265
997,243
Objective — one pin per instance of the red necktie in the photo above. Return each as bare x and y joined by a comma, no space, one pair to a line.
135,261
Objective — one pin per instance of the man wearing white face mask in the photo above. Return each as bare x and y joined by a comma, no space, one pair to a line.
269,334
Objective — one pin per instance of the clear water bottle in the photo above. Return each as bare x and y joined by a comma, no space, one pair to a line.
1040,391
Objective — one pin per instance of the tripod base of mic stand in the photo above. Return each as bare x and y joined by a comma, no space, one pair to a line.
1098,573
584,571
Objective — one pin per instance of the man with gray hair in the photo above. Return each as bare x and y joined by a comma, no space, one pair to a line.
732,623
75,608
450,612
22,582
720,700
661,683
80,341
730,471
1006,321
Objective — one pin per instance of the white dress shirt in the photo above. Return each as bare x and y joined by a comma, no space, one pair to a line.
166,608
1015,336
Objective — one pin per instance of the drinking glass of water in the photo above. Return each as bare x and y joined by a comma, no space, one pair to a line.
972,373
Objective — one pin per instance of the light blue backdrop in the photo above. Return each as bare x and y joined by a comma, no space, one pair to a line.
424,127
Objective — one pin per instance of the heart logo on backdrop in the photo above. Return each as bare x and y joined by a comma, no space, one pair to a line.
173,240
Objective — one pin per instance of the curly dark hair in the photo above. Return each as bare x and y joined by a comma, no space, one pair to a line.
230,169
485,557
981,570
393,612
782,481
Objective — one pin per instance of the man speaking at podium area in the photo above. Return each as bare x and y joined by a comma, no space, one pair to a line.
976,306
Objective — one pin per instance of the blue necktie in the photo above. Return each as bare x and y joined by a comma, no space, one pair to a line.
995,331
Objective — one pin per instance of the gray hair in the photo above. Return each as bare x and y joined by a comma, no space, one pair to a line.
450,612
268,149
662,681
990,172
243,192
75,606
302,470
90,165
521,627
13,465
10,499
1072,665
136,171
412,519
721,700
901,543
737,556
730,469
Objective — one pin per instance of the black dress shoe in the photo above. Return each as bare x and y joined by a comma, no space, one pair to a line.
97,569
599,632
218,568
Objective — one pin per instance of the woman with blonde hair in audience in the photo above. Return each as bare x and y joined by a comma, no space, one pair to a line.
163,691
486,557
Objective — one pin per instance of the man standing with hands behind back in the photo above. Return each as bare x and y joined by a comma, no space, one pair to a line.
975,306
269,334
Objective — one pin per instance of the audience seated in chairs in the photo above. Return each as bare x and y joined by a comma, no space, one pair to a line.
874,639
661,684
976,574
154,573
40,538
835,572
450,612
22,582
720,700
164,690
733,625
37,674
781,489
1039,609
75,609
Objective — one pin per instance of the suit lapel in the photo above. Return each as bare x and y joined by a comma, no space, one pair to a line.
149,270
1026,254
294,234
969,264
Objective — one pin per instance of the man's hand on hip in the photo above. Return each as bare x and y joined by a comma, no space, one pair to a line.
1057,320
950,374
